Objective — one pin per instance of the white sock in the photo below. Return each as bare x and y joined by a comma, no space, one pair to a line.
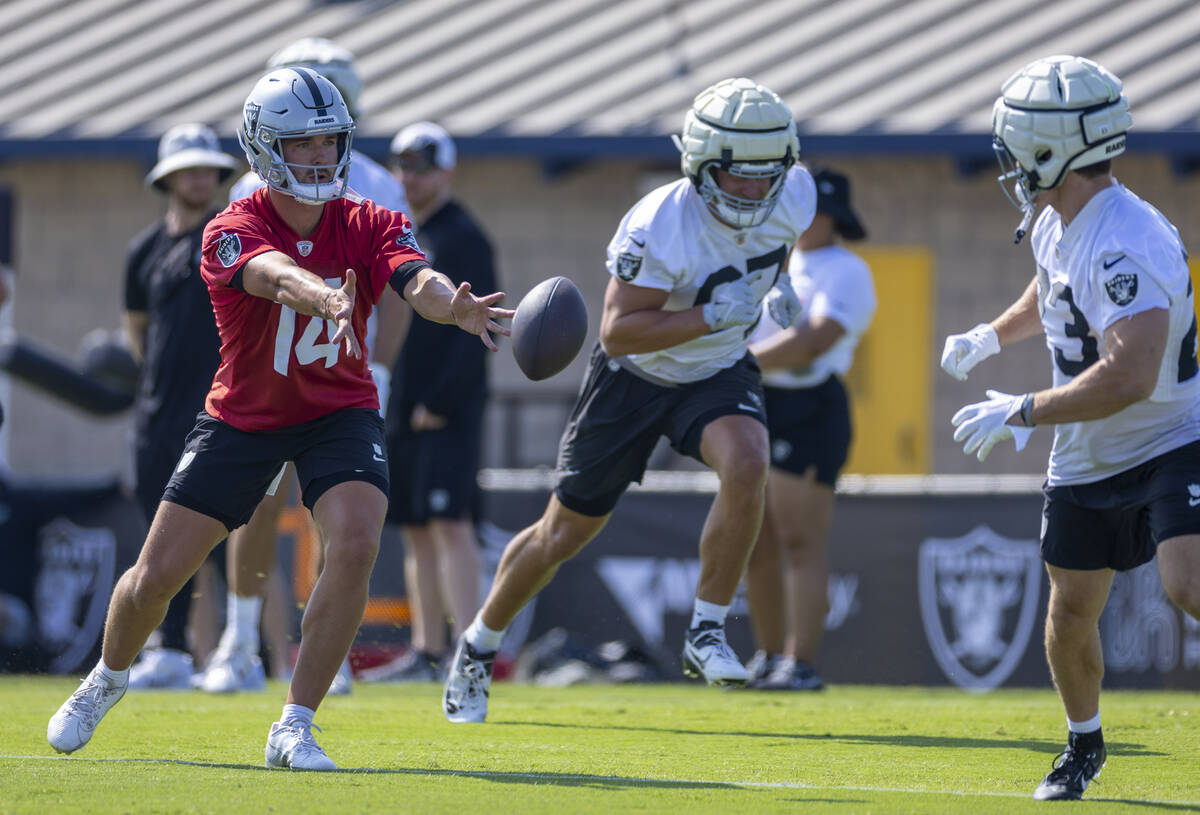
481,638
703,612
1090,726
297,712
114,678
241,617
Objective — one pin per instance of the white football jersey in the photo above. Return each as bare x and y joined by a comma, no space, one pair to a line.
834,283
671,241
367,177
1117,258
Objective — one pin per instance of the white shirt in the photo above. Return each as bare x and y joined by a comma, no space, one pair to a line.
671,241
834,283
367,177
1117,258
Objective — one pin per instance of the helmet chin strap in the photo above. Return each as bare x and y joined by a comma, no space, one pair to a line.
1023,227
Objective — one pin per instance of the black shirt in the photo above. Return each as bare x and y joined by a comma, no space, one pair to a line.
442,366
183,350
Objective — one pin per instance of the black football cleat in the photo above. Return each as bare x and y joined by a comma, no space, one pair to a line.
1074,769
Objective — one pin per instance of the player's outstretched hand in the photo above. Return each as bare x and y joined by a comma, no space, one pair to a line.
984,424
477,315
962,352
340,306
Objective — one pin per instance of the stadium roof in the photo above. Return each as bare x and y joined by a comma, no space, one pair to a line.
569,79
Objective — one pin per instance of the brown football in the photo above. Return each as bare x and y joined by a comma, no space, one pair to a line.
549,328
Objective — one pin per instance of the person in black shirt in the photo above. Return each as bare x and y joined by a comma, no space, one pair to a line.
435,416
171,330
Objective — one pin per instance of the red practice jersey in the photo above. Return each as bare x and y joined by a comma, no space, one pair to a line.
278,368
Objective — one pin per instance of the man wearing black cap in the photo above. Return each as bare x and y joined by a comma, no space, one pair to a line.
435,417
808,417
169,322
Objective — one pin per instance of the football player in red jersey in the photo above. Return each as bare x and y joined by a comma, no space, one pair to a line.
293,272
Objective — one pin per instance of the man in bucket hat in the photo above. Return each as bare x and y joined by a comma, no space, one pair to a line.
171,331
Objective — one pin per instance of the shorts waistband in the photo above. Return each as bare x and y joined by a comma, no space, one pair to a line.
640,374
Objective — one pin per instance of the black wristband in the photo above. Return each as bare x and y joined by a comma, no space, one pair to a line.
1027,410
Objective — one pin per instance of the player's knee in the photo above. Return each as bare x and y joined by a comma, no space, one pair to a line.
151,584
354,550
744,473
1183,589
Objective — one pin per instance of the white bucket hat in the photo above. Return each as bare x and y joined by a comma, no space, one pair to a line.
189,145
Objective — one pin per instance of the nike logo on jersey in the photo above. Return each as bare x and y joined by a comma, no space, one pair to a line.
1108,264
638,243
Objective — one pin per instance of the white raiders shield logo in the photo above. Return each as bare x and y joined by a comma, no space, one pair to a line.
78,567
1122,288
628,266
229,248
979,596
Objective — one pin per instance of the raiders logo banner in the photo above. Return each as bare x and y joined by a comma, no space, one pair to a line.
229,248
628,266
1122,288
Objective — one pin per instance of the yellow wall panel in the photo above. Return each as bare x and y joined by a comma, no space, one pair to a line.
890,388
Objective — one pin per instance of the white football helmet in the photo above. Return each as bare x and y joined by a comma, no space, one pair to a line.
1054,115
285,104
326,58
745,129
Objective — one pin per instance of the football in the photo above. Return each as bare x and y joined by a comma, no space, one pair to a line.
549,328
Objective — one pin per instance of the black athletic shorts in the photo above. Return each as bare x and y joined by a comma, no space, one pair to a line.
620,415
809,427
225,472
434,473
1118,523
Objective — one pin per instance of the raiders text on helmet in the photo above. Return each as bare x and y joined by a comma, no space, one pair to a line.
289,103
329,60
745,129
1054,115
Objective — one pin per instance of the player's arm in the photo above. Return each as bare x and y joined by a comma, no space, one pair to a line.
1021,320
798,346
277,277
634,322
1127,373
136,324
436,298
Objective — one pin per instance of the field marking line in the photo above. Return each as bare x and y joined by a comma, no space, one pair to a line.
683,782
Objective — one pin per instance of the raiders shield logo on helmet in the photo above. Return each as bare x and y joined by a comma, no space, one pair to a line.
979,597
1122,288
229,248
628,266
251,112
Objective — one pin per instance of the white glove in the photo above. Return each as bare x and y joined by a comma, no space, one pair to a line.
983,424
783,305
732,303
963,352
383,384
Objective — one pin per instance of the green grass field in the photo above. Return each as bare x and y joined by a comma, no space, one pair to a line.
612,749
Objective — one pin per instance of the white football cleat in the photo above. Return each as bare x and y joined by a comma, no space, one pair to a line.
162,669
707,656
75,722
232,671
343,682
465,698
291,744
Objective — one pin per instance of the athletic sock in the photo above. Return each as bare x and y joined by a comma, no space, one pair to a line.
299,713
114,678
241,617
1087,732
483,639
704,612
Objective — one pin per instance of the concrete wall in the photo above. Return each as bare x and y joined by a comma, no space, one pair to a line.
75,218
